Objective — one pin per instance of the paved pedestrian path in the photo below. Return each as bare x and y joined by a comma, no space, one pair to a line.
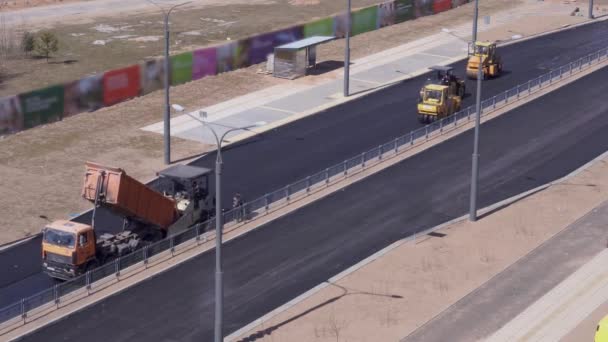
555,314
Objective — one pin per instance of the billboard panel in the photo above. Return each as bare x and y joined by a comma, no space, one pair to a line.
261,46
404,10
241,53
456,3
42,106
85,95
321,27
225,57
386,14
289,35
441,5
181,68
11,117
423,8
204,63
121,84
152,75
340,25
364,20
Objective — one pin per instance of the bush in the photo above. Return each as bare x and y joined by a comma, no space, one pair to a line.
46,44
28,42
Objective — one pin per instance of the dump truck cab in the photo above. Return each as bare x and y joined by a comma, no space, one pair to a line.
490,60
437,101
445,76
67,248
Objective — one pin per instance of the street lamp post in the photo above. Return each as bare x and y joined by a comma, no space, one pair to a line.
590,9
167,111
475,18
475,159
347,50
475,156
219,220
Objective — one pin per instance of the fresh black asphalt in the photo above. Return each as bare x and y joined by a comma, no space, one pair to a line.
534,144
274,159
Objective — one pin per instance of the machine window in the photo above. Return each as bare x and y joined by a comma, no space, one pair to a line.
82,239
59,238
433,95
483,50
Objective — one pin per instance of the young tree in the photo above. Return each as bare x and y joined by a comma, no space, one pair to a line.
46,44
27,42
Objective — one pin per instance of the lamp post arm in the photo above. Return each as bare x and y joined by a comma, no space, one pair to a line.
178,5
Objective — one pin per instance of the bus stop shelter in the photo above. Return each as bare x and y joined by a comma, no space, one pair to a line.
292,60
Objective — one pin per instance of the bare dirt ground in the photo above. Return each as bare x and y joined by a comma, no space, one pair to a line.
115,40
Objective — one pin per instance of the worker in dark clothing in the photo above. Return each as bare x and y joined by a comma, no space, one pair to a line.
445,80
237,203
196,194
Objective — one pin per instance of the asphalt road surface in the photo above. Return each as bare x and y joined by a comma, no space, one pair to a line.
534,144
274,159
497,302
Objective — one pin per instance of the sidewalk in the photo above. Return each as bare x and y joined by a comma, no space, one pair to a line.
286,102
563,308
299,98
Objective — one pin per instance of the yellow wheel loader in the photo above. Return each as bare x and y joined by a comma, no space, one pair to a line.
490,60
436,102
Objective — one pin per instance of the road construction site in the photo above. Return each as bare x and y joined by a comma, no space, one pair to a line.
536,143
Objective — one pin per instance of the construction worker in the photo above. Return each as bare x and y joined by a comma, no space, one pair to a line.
237,203
196,194
445,80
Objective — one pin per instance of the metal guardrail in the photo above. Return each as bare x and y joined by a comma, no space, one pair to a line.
82,286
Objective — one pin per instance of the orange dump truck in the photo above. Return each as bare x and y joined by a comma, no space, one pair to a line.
70,248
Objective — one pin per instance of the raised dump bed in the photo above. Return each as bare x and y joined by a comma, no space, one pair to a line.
128,197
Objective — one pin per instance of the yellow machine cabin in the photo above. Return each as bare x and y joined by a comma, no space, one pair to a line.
437,102
490,60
